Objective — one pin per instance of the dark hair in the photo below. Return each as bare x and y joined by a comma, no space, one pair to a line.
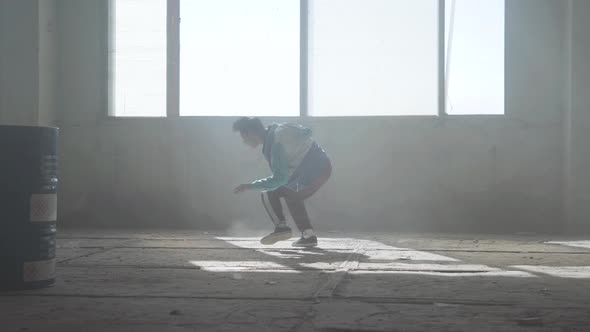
249,125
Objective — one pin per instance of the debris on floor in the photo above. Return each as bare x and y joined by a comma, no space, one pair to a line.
175,313
531,321
441,304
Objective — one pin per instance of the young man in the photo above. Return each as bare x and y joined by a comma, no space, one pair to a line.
299,168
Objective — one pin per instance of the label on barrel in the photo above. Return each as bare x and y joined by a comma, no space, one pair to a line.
39,270
43,207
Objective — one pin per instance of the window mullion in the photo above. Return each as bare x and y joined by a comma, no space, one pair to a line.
442,96
110,43
303,58
173,57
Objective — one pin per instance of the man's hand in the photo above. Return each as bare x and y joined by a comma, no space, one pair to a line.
243,187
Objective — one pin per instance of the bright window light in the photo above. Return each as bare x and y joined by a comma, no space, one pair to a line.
475,56
139,58
365,57
373,57
239,57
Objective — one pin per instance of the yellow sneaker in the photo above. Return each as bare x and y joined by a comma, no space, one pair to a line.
280,234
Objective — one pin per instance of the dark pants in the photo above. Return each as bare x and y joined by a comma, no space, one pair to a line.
295,201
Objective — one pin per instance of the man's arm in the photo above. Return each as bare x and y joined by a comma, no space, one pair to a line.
280,170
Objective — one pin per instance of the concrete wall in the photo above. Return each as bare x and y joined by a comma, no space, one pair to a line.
48,63
20,62
28,71
469,173
578,120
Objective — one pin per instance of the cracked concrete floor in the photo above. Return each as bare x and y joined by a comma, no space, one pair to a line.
195,281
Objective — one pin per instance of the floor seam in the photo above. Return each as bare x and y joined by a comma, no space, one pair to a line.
376,249
86,255
326,290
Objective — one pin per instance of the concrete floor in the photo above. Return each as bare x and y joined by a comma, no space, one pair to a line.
173,281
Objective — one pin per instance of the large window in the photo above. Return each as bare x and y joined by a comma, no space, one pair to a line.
306,57
373,57
474,56
239,57
138,58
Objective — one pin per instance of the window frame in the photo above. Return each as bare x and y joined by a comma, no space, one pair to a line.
173,64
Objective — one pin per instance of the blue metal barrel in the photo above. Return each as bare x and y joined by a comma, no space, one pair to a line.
28,206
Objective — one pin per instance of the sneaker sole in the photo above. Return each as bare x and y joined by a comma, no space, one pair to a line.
272,239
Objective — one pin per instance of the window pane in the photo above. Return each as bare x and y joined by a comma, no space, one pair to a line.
239,57
373,57
139,58
475,56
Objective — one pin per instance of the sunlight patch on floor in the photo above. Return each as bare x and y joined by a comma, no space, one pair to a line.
372,257
576,272
372,249
498,273
243,266
577,244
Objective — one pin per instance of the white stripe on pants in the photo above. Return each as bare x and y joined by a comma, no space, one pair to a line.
271,212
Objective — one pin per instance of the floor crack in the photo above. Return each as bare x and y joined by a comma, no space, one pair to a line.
327,289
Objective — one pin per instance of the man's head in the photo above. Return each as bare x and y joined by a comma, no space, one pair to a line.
252,131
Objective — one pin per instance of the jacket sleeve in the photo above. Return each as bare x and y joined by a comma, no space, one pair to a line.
280,170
